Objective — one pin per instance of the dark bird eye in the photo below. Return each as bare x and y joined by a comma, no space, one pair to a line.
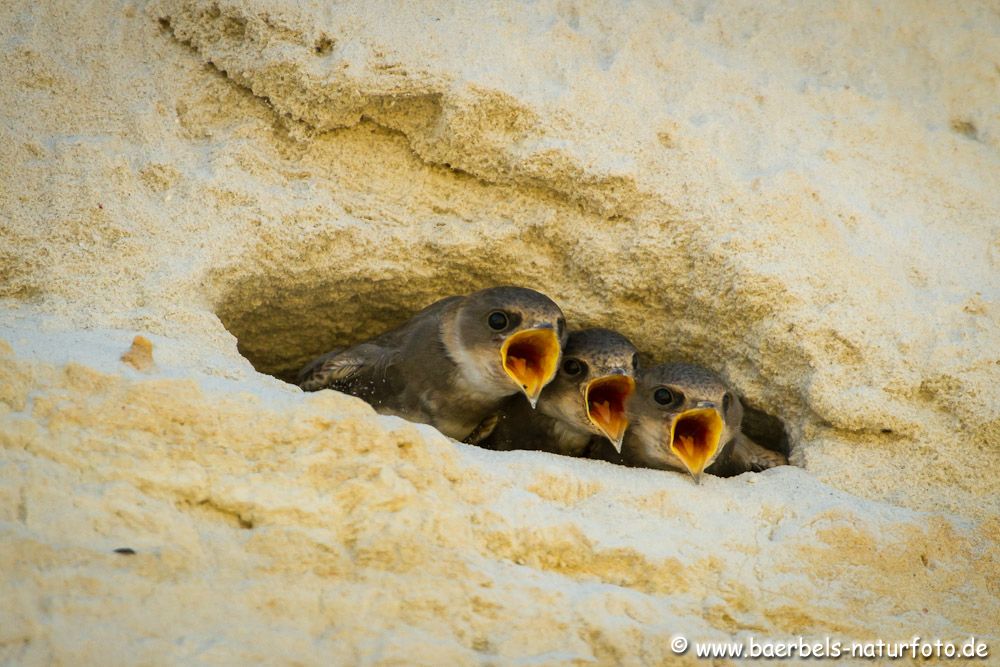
663,396
497,320
572,367
727,400
635,362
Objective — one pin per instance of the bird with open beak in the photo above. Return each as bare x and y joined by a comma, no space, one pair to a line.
453,363
683,417
587,399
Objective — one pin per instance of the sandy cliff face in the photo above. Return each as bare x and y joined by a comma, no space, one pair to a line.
806,200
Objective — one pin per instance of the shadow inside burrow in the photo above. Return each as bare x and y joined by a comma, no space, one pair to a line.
282,322
765,429
280,329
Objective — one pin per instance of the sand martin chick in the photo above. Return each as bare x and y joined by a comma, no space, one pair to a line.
683,417
453,363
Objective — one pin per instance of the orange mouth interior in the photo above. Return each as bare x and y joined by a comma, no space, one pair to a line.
694,437
531,358
606,398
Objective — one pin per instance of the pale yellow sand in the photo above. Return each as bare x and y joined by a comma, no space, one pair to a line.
804,199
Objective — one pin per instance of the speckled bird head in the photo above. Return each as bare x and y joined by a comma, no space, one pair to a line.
681,417
594,383
508,339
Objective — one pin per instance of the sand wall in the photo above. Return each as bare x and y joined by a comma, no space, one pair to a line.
804,199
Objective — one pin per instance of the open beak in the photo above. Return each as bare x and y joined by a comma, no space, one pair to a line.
694,438
605,398
531,358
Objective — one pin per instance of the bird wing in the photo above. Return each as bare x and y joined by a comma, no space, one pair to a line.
744,455
344,364
392,371
313,366
483,431
426,319
352,370
756,457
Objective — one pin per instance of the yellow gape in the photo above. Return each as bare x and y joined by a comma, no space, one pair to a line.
605,398
694,437
531,358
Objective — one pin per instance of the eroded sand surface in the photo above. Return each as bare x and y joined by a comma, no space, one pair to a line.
805,199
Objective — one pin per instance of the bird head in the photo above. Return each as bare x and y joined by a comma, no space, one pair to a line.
594,383
509,339
682,416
